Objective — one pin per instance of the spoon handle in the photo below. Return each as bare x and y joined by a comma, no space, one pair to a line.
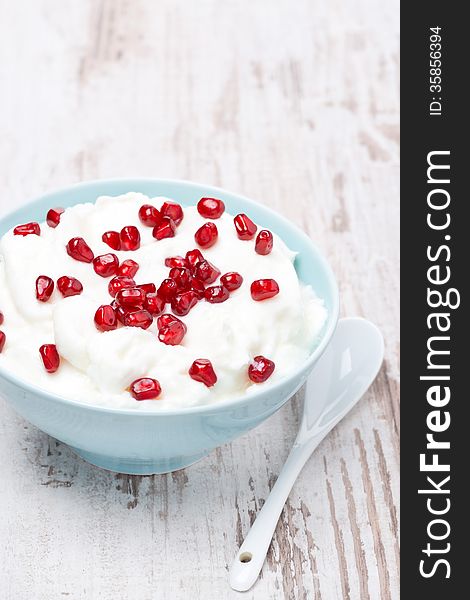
252,553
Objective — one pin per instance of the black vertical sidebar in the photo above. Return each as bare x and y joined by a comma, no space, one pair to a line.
435,238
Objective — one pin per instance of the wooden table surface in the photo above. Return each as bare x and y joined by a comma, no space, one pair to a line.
291,103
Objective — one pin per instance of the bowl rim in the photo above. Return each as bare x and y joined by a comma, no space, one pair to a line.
329,329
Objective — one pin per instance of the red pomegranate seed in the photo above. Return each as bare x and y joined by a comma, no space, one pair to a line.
50,357
78,249
2,318
264,242
128,268
145,388
171,331
27,229
148,288
206,236
262,289
193,258
172,335
216,294
175,261
149,215
119,283
166,319
113,239
167,290
44,288
128,297
69,286
245,227
106,265
203,371
260,369
166,229
206,272
139,318
232,281
182,276
184,302
154,304
105,318
53,216
172,210
210,208
120,311
130,238
3,339
198,288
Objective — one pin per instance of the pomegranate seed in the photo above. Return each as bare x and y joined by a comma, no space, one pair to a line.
149,215
203,371
69,286
154,304
193,257
216,294
139,318
172,210
3,339
113,239
260,369
170,331
232,281
131,297
53,216
184,302
167,290
206,272
245,227
120,311
50,357
27,229
130,238
128,268
119,283
166,229
198,288
148,288
145,388
182,276
264,242
106,265
105,318
166,319
210,208
78,249
206,236
175,261
262,289
123,312
2,318
44,288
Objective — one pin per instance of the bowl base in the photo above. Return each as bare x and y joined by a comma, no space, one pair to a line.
138,466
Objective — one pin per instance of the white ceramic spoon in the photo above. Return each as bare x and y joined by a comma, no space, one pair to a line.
341,376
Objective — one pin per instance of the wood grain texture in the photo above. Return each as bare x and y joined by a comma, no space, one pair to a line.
294,104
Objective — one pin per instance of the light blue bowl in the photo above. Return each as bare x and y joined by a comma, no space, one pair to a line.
139,442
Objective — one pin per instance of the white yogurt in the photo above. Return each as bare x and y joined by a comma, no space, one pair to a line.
96,367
